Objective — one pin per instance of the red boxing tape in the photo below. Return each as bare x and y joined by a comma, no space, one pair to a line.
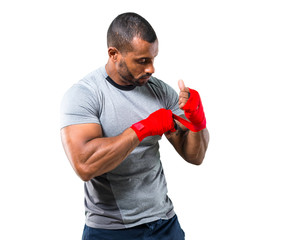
156,123
194,112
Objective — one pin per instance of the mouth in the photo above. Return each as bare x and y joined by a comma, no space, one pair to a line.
142,80
145,77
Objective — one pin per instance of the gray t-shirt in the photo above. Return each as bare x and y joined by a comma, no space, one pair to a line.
135,192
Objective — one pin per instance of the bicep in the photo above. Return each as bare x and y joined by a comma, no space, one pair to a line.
75,138
79,119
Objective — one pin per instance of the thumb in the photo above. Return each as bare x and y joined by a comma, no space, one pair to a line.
181,85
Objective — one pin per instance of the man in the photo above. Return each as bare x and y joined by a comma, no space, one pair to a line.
111,123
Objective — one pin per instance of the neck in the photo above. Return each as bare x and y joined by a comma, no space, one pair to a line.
110,69
113,74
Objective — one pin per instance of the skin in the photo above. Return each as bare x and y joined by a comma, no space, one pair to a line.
133,67
191,146
91,154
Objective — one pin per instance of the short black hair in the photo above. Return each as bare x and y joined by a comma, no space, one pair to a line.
125,27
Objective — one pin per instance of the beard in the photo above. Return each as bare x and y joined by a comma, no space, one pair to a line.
129,78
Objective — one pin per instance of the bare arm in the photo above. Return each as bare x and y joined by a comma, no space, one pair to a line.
92,155
191,146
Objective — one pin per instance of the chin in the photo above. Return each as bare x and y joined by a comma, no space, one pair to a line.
141,83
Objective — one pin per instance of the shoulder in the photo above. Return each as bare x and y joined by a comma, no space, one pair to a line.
90,86
94,80
86,91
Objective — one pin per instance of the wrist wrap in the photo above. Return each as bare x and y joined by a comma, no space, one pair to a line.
194,111
156,123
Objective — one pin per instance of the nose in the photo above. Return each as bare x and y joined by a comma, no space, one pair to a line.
150,69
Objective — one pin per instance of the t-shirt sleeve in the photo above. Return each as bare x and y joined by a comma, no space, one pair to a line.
79,105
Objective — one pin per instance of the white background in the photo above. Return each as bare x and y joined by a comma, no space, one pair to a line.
240,56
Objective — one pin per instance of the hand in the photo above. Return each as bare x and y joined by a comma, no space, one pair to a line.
156,123
190,102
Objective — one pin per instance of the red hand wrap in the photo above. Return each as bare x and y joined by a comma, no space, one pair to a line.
194,111
157,123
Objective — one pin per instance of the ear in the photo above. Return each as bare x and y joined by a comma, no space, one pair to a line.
113,53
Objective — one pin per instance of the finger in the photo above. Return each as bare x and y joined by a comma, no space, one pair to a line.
181,85
184,94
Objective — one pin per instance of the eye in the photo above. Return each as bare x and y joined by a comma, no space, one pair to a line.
143,61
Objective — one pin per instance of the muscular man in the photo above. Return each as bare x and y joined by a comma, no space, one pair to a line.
111,123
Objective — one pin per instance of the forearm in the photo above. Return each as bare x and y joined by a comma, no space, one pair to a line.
195,146
92,155
101,155
193,142
190,145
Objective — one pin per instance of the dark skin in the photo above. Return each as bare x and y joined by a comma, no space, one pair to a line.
91,154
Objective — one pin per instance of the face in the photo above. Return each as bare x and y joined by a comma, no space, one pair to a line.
136,67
